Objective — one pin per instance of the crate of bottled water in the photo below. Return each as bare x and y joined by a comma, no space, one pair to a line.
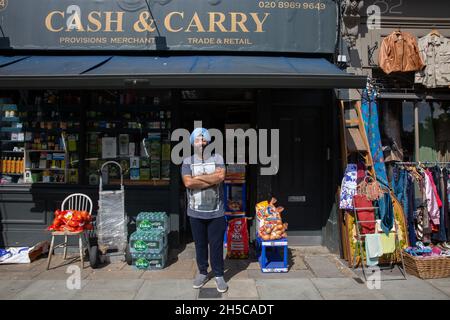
153,220
153,241
149,261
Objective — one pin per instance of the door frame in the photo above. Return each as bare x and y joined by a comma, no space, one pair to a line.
323,99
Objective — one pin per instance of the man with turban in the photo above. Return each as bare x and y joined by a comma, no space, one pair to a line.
203,178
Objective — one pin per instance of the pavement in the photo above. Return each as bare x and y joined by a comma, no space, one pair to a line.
314,274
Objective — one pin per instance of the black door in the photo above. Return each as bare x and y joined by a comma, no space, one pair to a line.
298,186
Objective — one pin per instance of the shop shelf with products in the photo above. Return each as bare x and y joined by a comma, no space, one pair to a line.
235,195
235,190
11,144
134,130
52,126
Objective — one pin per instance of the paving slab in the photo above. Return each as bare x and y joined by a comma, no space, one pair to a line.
166,274
210,294
109,290
170,289
345,289
310,250
254,265
411,289
181,265
48,290
441,284
322,267
298,262
292,274
35,265
24,275
242,288
235,274
294,289
63,273
10,288
111,275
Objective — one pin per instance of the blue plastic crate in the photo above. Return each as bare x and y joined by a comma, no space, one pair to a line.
272,255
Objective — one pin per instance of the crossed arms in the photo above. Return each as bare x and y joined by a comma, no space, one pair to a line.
204,181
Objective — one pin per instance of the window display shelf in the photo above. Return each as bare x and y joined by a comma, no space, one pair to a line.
45,169
69,130
11,129
125,130
10,119
53,151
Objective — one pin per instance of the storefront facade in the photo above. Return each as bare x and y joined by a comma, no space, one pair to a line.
412,100
225,65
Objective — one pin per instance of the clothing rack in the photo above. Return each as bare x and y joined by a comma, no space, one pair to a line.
359,237
425,163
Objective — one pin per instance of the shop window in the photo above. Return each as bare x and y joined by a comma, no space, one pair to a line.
50,136
132,128
398,131
396,120
434,131
40,137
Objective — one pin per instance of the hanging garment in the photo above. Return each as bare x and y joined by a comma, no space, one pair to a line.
369,112
447,184
348,187
398,183
388,242
361,201
399,52
373,249
441,235
435,52
386,212
403,186
419,227
425,221
361,172
410,207
391,128
432,202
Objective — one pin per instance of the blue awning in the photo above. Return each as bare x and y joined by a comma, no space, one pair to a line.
174,72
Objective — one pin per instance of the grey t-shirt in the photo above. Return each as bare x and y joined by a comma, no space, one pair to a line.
204,203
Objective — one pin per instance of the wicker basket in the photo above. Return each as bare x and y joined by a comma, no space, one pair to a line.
427,268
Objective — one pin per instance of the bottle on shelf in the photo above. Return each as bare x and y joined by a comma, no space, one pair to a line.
8,165
19,166
4,165
13,166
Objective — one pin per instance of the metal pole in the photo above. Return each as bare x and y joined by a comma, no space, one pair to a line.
416,132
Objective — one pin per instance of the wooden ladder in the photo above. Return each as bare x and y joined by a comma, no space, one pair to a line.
354,141
353,134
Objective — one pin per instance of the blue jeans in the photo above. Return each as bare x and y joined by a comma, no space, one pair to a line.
209,232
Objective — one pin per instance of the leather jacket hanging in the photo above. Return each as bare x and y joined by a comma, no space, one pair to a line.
399,52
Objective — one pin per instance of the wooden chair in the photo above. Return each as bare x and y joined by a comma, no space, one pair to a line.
79,202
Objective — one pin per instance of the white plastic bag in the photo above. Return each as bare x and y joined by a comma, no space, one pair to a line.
15,255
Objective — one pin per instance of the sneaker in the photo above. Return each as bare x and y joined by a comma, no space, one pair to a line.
200,280
221,284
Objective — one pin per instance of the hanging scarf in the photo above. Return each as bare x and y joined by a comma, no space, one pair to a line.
369,110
